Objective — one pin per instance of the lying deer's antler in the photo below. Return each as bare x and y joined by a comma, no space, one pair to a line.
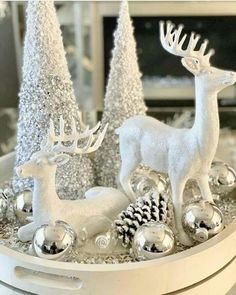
55,142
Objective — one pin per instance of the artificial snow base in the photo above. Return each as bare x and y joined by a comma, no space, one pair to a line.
207,266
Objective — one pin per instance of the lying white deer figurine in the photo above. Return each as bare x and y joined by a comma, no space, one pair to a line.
182,153
47,207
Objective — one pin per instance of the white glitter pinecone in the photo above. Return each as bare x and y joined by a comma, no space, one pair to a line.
152,207
123,99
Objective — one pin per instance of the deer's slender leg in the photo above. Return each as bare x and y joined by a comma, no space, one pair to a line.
177,186
130,160
205,189
26,232
124,177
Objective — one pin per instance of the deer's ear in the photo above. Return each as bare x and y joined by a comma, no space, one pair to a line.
59,159
191,64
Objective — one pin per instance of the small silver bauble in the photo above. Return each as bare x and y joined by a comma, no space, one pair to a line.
153,240
23,206
222,178
53,241
149,181
202,220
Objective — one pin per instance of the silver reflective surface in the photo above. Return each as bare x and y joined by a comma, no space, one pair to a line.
202,220
153,240
53,241
23,206
222,178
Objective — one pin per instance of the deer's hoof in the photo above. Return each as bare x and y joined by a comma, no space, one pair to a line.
25,234
185,240
22,236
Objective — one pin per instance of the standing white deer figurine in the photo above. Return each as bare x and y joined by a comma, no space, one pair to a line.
182,153
47,207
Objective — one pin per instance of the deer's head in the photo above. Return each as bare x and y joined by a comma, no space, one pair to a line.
41,163
195,61
52,154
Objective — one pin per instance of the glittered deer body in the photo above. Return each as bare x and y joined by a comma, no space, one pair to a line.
182,153
47,207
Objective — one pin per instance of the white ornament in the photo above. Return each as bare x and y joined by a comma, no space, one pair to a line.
182,153
47,207
123,99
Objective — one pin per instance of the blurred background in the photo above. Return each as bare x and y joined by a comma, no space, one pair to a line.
88,38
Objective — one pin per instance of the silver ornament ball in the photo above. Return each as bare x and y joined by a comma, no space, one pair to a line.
147,181
153,240
202,220
222,178
23,206
53,241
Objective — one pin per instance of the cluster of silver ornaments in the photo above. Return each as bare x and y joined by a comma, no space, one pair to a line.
53,241
202,220
153,240
222,178
16,206
8,238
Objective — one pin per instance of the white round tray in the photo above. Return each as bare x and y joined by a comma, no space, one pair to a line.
208,268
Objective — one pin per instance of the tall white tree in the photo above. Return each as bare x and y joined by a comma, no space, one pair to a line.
123,99
47,92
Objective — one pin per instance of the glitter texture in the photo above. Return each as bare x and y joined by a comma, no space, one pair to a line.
124,97
47,92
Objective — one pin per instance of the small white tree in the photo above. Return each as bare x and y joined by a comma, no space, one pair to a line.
123,99
47,92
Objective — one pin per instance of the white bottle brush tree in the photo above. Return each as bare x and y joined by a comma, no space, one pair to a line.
123,99
47,93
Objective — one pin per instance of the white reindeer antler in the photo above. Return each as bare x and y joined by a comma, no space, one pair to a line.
56,142
173,43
